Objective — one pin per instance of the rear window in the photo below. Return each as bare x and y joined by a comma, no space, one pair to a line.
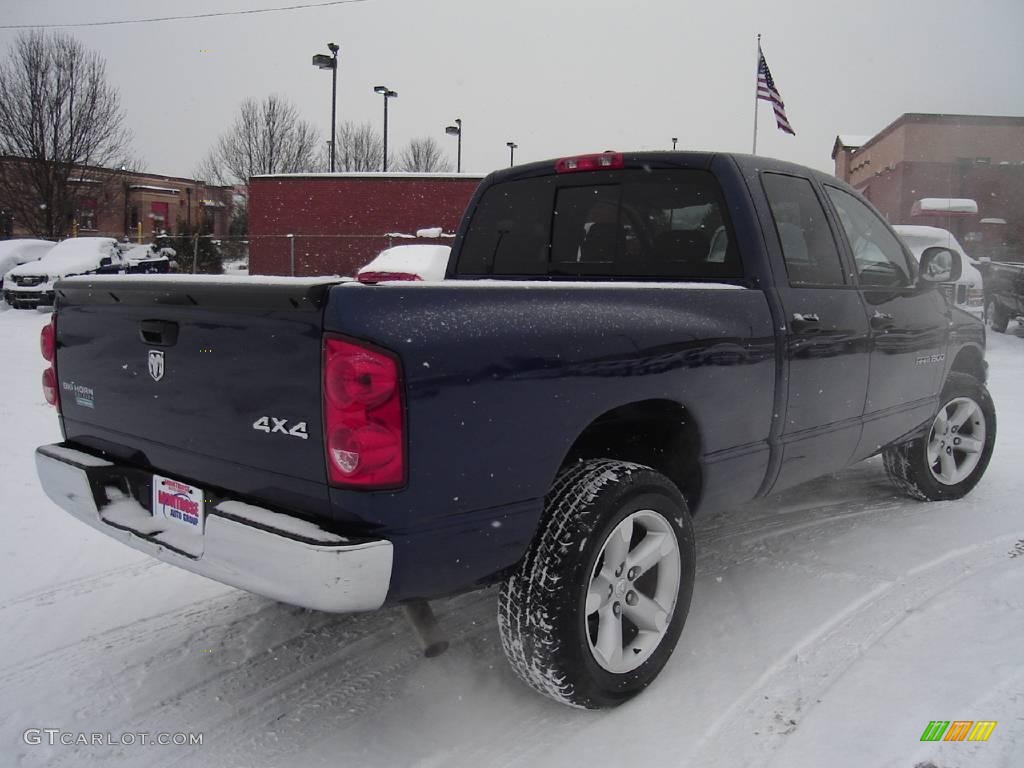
633,224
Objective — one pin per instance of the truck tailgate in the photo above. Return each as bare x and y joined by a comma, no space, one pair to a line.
198,372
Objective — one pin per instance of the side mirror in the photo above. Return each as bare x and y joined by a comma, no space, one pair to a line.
939,265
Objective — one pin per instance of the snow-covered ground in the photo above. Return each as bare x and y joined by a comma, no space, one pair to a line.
829,625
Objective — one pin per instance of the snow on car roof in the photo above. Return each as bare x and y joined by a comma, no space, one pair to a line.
428,262
144,252
24,249
919,237
945,205
75,253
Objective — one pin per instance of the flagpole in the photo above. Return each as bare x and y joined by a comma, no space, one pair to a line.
755,90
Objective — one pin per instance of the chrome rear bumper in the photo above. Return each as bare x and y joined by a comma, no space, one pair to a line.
248,547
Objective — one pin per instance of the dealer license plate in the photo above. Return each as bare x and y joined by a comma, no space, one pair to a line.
178,502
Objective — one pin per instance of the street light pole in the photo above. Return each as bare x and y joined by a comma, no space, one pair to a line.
512,147
456,130
323,61
387,93
674,140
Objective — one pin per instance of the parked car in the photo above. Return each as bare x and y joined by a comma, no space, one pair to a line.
146,259
1004,293
20,251
969,291
588,375
32,284
407,262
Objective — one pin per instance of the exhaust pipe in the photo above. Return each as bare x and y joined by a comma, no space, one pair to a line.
428,631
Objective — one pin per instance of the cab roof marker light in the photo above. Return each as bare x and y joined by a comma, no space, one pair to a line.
597,162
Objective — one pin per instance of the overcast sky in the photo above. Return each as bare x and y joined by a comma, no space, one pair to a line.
556,76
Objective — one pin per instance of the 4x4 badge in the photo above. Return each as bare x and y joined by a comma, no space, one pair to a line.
156,364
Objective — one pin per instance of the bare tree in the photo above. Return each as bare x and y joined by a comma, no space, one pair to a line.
360,148
61,132
267,137
424,156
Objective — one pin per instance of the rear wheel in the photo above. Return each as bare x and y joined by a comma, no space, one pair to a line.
595,610
950,458
995,317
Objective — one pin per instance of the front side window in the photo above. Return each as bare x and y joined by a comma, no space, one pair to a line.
631,224
878,255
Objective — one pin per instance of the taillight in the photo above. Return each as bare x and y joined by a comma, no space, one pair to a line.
48,341
48,348
386,277
50,386
604,161
364,422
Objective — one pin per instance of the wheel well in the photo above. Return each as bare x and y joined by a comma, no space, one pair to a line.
658,433
969,360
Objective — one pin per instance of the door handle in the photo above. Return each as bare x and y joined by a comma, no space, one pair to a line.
158,333
805,321
882,320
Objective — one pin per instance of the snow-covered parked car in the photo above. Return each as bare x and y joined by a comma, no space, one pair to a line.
148,259
20,251
31,284
968,291
407,262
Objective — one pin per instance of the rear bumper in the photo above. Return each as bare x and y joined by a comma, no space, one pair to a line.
248,547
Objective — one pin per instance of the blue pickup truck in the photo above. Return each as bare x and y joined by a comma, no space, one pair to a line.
620,342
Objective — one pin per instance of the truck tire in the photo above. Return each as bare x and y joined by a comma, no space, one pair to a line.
996,318
950,458
580,628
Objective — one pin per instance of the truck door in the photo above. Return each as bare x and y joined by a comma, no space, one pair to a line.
826,334
909,329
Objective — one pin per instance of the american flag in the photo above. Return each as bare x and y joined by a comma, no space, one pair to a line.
766,91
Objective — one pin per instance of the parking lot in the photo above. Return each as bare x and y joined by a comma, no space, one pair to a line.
830,624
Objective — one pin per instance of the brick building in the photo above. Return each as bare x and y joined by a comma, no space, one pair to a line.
945,157
109,203
339,222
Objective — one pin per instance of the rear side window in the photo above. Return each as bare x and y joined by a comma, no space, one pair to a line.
808,247
631,224
509,233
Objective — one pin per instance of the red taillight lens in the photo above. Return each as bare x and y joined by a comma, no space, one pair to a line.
48,341
364,421
359,377
50,386
48,347
605,161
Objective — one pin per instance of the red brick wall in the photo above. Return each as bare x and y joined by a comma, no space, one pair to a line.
341,222
998,190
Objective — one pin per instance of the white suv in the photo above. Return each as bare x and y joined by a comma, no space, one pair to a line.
967,292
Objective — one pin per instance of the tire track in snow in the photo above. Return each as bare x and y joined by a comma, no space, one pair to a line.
84,585
324,698
308,686
821,658
76,660
786,521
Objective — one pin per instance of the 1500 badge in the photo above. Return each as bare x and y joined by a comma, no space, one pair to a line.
929,359
263,424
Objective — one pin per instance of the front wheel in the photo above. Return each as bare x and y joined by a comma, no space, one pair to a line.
596,607
950,458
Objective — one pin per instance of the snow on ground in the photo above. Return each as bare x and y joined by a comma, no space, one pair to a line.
829,625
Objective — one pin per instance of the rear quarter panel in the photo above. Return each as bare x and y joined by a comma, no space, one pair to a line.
501,378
